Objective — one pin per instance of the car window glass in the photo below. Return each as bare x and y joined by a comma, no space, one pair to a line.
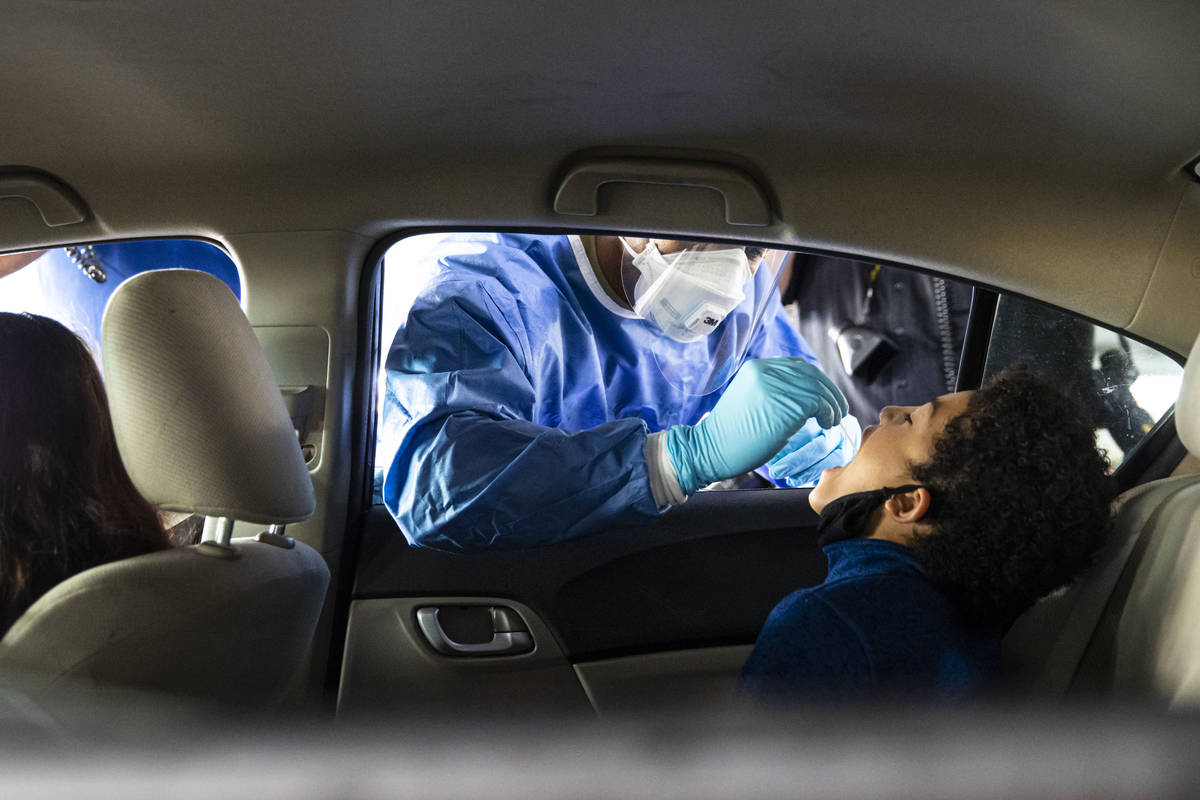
885,334
73,284
901,344
1123,384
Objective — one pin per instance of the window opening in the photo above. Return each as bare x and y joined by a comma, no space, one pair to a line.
72,284
1125,386
920,322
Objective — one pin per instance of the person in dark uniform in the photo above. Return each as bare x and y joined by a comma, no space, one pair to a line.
887,336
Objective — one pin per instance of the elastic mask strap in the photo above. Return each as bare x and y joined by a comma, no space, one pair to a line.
635,255
847,516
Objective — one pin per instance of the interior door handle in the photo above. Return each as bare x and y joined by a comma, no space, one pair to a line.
508,634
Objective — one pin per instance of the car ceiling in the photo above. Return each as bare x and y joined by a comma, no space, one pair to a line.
1025,143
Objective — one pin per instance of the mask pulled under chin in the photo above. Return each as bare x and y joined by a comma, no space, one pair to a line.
846,517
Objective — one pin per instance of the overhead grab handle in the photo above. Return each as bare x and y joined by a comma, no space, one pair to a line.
57,203
745,201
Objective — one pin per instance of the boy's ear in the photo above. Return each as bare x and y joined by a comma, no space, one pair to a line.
908,507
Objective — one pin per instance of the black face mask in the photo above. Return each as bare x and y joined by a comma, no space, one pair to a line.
846,517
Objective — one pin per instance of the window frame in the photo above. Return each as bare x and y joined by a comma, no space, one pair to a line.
1153,456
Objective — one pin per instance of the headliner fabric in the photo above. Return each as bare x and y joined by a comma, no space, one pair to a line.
945,147
232,630
1187,409
199,419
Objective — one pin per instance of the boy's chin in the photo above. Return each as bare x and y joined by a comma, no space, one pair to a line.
817,496
824,491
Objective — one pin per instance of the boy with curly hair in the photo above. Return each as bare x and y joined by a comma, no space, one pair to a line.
953,518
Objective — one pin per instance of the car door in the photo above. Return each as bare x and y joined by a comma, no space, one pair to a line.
656,616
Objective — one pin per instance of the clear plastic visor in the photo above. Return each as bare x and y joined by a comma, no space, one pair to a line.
704,303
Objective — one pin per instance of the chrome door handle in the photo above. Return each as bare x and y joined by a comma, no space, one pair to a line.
505,640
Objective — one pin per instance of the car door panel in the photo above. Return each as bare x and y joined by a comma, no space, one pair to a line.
648,616
704,575
389,666
670,681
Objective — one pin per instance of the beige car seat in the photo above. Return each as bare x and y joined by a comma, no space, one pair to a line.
1130,628
202,429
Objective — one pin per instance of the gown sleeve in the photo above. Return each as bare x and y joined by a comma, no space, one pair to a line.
471,470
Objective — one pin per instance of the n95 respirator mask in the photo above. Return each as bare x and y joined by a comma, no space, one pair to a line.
690,293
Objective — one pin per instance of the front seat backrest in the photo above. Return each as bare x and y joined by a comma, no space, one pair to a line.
199,419
202,428
1130,627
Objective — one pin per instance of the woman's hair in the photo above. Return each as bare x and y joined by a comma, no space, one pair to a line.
66,502
1021,498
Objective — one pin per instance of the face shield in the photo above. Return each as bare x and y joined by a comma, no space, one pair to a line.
703,301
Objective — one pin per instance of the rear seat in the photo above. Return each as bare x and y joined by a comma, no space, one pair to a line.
1130,628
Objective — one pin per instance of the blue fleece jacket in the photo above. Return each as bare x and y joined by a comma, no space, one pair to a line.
876,625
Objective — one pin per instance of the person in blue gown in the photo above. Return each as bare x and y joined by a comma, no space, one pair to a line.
527,402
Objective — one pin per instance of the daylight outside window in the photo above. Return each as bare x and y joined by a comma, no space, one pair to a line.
884,335
592,344
73,284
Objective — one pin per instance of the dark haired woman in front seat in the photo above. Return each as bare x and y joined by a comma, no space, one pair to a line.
66,502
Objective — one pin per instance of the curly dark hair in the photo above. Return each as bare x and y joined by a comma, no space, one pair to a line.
1021,498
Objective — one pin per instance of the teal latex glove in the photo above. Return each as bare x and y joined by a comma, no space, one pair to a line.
813,449
764,404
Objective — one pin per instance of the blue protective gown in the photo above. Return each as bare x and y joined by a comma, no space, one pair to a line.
78,302
518,398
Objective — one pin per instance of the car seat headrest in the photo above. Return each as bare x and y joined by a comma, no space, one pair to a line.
199,419
1187,409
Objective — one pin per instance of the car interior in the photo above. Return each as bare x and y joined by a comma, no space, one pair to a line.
1042,159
